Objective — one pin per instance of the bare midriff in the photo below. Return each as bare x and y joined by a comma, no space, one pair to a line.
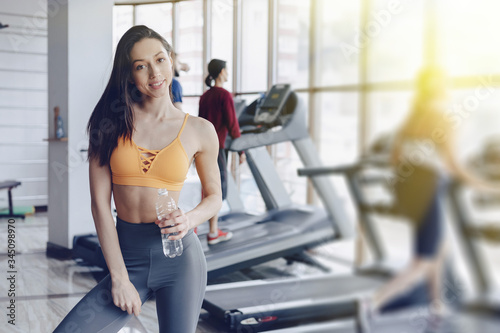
136,204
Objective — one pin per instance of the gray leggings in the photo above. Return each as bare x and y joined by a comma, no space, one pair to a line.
177,283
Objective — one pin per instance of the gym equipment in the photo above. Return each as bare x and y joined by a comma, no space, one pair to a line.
9,185
473,231
371,170
262,305
286,229
487,299
259,305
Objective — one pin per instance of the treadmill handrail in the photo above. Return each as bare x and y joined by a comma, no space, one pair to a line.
377,162
303,303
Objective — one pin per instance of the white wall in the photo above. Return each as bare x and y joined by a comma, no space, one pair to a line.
23,100
90,62
79,63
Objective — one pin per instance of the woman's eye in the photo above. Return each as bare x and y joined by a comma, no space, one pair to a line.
140,67
161,60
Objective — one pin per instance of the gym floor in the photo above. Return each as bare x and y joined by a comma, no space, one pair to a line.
46,288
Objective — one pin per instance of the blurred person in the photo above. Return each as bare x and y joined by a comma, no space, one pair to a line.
121,167
423,159
176,85
217,106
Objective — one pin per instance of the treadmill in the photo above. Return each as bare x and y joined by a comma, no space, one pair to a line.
475,231
261,305
258,305
285,229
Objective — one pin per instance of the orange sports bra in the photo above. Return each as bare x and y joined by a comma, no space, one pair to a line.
138,166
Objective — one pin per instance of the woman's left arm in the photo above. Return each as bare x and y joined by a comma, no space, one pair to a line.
208,171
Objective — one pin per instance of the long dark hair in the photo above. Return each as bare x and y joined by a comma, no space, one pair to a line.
215,66
112,116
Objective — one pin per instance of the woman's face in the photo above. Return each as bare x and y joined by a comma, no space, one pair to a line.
151,67
224,75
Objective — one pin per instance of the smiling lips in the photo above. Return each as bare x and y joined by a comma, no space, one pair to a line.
157,85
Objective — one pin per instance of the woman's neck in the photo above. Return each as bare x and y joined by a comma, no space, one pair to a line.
219,82
155,107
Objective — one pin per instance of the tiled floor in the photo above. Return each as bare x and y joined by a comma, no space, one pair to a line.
46,289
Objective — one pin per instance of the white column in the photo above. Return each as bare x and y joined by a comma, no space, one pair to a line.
79,63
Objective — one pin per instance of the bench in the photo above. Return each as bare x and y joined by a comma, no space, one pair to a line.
9,185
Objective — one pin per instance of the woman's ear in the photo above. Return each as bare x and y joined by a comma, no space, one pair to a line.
171,60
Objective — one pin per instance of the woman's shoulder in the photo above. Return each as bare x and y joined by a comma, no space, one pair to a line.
225,92
199,124
216,94
219,91
210,92
201,132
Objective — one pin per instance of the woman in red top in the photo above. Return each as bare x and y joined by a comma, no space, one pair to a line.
217,106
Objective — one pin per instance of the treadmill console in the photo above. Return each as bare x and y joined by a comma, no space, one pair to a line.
269,111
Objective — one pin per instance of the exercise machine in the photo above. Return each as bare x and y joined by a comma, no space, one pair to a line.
285,229
474,232
261,305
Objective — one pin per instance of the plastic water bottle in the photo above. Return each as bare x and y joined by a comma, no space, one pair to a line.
165,204
60,128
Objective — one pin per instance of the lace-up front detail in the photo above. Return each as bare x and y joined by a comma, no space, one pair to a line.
138,166
147,157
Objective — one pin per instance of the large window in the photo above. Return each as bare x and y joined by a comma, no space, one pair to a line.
365,58
190,45
123,19
474,115
254,45
337,56
222,35
393,35
190,105
467,40
386,111
337,121
157,17
292,58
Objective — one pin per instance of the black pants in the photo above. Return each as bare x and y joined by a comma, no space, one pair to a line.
222,162
177,283
429,232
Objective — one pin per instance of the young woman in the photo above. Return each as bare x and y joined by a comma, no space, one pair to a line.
139,142
217,105
423,157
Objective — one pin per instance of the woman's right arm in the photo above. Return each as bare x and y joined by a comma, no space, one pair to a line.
125,296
